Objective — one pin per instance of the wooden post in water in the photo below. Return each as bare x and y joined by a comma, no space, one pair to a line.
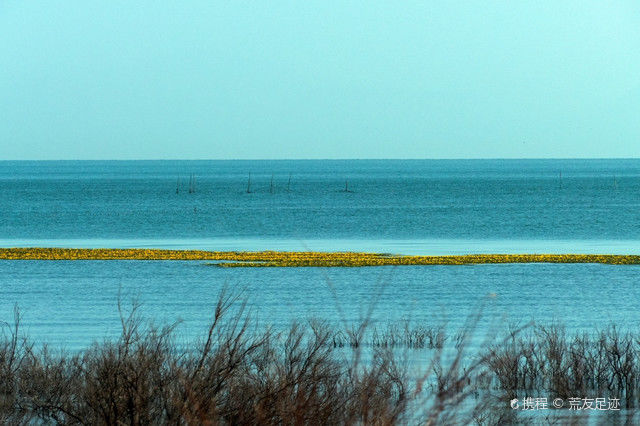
249,184
615,182
560,178
178,186
289,183
271,185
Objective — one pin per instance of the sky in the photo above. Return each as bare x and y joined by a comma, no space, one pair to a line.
122,79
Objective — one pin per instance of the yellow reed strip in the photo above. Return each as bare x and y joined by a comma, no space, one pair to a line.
295,259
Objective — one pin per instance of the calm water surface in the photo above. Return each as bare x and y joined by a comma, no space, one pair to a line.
71,303
390,200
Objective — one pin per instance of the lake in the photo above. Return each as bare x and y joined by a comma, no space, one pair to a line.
406,207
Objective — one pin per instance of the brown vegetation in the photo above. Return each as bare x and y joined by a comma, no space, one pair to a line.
235,375
310,374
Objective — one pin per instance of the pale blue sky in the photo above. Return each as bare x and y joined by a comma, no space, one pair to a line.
85,79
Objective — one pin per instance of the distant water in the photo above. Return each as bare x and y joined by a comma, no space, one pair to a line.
417,200
412,207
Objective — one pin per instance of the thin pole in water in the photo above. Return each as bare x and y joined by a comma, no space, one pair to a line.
178,186
249,184
289,183
560,178
271,185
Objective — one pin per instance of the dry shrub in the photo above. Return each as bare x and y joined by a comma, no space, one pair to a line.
309,374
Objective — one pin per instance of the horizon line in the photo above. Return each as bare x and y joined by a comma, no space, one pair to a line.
322,159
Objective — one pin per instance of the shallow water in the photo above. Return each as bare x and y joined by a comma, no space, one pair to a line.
406,247
71,303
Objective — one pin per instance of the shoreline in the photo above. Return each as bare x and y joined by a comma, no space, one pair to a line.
302,259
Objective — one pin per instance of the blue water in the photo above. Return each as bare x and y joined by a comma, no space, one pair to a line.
397,200
424,207
73,302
